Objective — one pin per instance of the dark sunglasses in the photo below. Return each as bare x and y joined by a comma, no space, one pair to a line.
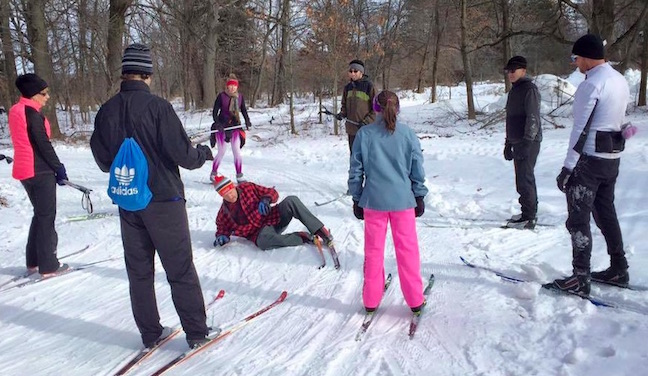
512,70
353,71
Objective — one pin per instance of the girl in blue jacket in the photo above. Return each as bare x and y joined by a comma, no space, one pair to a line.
386,180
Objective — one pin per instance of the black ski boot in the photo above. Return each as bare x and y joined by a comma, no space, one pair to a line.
578,283
307,237
522,223
612,276
325,235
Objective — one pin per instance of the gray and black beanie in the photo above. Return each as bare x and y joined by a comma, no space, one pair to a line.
137,60
357,65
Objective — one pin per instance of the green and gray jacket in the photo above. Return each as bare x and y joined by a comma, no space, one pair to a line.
357,100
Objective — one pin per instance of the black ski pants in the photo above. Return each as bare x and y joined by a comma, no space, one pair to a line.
525,183
590,190
42,241
162,226
291,207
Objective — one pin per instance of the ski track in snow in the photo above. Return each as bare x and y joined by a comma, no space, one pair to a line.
474,324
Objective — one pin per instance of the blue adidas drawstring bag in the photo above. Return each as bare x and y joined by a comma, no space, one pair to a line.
128,182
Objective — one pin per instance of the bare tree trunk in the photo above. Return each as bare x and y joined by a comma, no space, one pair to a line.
209,62
506,43
644,68
437,49
285,34
116,29
37,36
466,63
291,95
10,93
603,19
264,55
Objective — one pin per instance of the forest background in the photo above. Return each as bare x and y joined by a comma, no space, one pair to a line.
281,49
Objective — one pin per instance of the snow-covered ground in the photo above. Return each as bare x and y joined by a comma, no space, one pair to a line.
475,323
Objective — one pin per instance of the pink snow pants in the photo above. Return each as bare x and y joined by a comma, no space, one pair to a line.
403,227
236,151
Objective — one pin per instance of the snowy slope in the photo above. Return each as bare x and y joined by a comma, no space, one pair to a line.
476,324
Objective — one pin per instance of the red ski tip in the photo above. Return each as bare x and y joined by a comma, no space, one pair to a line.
221,293
283,296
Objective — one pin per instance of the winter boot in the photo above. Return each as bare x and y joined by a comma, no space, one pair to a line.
578,283
196,343
166,331
612,276
325,235
61,269
515,217
417,310
522,223
240,178
307,237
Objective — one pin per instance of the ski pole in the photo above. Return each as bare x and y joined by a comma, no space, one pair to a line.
240,126
86,203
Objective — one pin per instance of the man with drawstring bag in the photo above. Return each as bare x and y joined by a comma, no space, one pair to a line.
137,133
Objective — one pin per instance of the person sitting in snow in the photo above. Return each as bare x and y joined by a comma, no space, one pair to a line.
247,212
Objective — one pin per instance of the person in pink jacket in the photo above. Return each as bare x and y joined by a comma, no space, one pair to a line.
39,169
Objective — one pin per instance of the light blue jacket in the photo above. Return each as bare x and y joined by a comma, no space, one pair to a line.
386,172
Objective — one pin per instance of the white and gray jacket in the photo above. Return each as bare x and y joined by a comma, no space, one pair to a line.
608,90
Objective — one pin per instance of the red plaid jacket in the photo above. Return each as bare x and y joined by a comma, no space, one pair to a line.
242,217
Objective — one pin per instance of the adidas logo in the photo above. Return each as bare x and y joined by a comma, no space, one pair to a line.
124,175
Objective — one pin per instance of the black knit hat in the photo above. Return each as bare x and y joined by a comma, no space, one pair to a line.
30,84
516,62
137,60
589,46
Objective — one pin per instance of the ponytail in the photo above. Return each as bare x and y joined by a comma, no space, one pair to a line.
389,107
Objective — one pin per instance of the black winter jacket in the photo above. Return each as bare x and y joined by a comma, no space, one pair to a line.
158,131
523,112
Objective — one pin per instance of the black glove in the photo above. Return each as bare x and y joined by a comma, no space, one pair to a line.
420,207
61,175
339,116
358,211
522,150
563,178
508,151
212,136
208,153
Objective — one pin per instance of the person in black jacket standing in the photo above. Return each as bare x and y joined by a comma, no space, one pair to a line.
357,100
523,137
163,224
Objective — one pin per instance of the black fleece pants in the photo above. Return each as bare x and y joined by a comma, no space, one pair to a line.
525,182
162,226
42,241
590,190
291,207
